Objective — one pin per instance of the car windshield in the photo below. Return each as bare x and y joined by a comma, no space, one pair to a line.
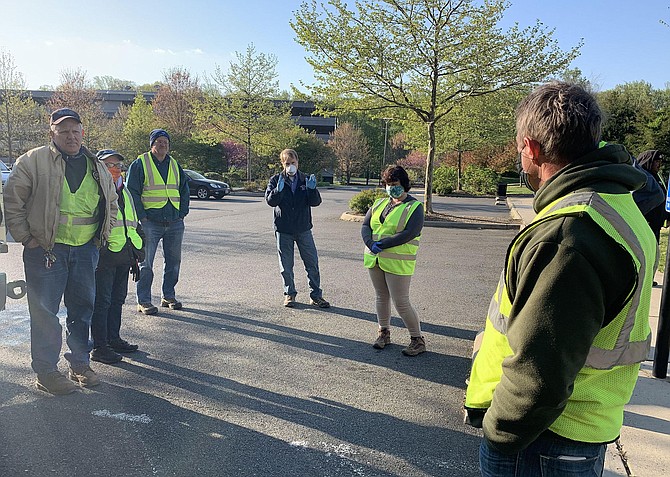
195,175
3,167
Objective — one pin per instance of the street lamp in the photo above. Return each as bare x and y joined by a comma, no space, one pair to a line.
386,133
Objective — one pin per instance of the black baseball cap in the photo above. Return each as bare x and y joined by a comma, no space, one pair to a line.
62,114
105,153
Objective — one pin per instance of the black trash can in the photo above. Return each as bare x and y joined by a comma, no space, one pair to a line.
502,189
501,194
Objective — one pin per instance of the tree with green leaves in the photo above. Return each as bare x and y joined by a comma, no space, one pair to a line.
241,107
140,121
19,114
421,56
350,148
630,108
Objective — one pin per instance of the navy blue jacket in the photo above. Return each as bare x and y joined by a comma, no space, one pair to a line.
293,212
135,185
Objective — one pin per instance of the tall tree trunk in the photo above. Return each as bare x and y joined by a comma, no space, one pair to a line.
430,159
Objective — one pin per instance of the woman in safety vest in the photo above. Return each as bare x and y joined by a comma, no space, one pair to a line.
123,253
391,232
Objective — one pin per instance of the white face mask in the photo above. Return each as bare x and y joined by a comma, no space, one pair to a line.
291,170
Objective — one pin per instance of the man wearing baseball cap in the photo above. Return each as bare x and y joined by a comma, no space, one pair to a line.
60,203
160,191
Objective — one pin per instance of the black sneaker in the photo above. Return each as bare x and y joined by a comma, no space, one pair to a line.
147,308
122,346
320,302
171,303
105,354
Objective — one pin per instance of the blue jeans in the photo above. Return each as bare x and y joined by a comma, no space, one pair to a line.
171,234
111,288
547,456
72,278
307,249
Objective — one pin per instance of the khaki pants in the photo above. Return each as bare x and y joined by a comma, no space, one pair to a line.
394,287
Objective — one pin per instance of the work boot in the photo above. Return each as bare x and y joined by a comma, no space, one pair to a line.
84,376
105,354
289,301
171,303
417,345
55,383
320,302
383,338
147,308
122,346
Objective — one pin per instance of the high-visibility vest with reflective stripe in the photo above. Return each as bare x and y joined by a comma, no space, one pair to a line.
594,411
117,238
78,221
156,192
401,259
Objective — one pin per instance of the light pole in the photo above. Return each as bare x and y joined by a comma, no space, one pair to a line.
386,133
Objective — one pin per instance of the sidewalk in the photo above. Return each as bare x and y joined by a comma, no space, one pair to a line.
645,437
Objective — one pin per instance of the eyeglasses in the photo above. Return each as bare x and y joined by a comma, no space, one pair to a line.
117,165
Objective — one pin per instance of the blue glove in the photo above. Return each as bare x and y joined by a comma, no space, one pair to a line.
376,248
280,183
311,182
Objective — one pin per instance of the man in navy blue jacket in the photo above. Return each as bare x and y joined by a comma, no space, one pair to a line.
293,194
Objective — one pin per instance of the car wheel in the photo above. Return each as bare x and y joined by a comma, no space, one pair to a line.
202,193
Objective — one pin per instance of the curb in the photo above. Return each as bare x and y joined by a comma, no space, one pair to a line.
445,224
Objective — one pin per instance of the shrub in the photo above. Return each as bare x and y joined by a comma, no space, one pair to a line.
480,180
444,180
361,202
253,186
215,176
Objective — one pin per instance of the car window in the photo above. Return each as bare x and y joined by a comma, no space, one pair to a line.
194,175
3,167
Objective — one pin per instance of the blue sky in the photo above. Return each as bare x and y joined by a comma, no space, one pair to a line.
138,40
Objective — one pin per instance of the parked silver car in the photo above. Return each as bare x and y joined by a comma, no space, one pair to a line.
5,172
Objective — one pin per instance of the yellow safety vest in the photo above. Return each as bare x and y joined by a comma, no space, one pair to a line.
401,259
78,221
120,231
594,411
157,192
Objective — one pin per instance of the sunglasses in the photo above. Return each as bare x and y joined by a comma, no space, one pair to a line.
115,165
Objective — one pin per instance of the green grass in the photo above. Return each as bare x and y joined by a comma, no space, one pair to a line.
663,246
516,189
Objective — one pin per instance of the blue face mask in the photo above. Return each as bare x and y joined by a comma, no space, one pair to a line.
395,191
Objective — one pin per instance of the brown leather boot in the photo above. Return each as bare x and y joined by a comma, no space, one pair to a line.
383,338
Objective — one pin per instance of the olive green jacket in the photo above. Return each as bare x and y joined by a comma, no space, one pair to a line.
567,280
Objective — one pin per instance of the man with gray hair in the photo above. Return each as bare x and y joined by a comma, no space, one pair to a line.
569,323
60,204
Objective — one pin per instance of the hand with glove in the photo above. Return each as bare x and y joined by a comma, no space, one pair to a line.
280,183
311,182
376,248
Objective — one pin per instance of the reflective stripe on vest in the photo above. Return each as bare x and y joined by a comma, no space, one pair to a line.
78,221
594,411
156,192
401,259
118,237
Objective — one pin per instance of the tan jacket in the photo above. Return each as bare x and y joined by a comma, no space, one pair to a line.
32,196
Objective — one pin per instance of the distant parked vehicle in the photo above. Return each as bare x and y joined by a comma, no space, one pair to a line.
203,188
5,172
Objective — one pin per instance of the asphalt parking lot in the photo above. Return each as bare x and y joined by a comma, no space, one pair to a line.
236,384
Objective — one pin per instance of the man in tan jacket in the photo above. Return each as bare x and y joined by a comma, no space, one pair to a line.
60,203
